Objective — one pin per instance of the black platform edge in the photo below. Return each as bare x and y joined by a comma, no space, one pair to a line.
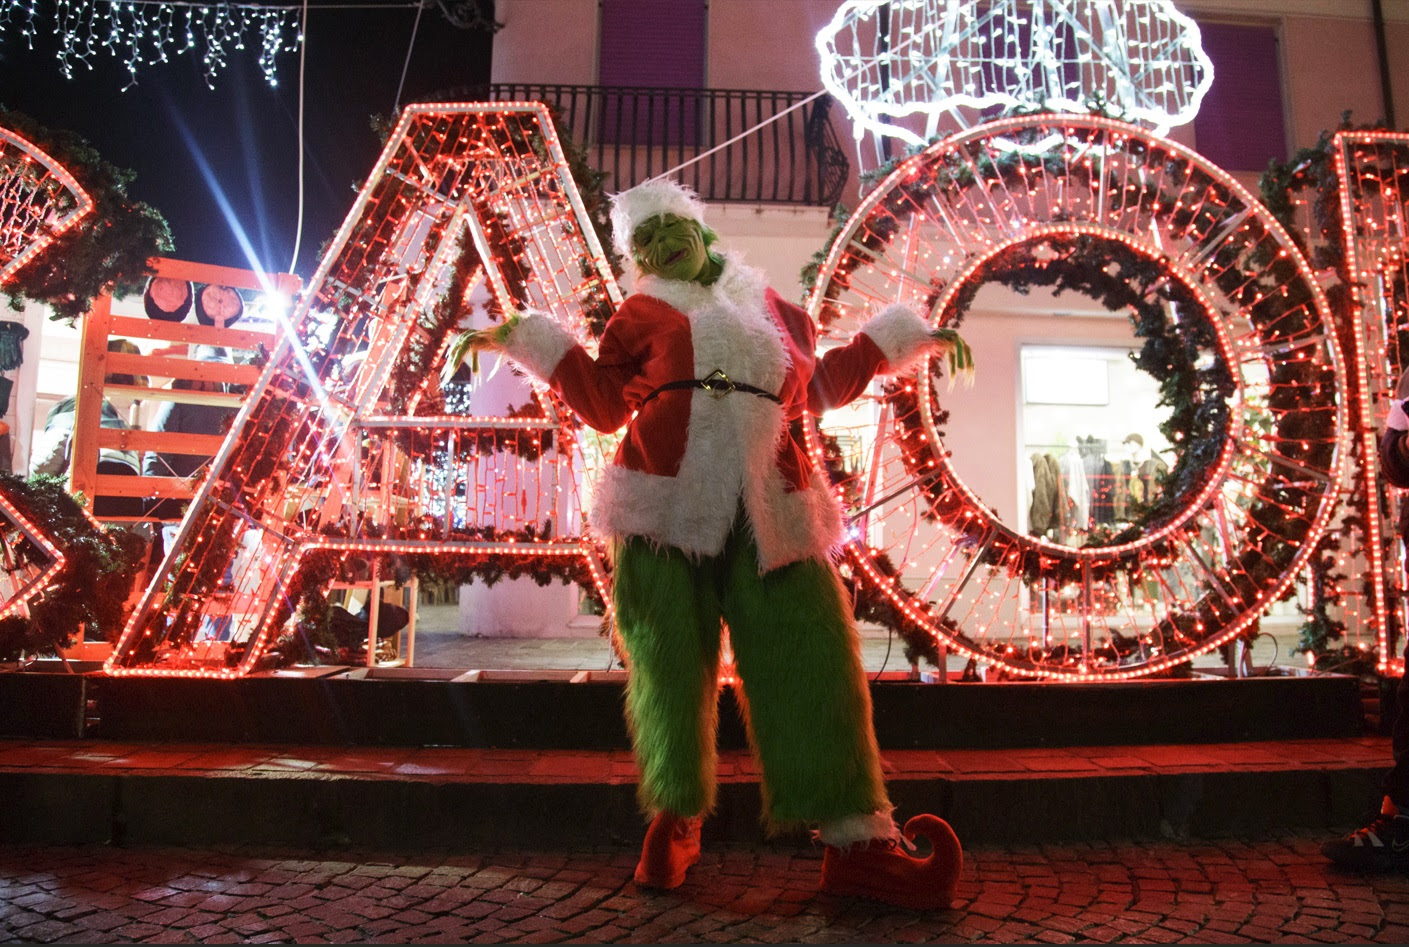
43,706
558,714
380,814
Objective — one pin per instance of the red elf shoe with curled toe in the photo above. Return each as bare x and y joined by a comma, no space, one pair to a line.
672,845
882,870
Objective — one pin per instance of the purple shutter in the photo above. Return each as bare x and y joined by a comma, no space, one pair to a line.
652,44
1241,123
659,44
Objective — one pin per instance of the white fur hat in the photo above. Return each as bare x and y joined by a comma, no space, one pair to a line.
631,208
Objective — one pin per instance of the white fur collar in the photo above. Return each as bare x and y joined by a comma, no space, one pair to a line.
739,284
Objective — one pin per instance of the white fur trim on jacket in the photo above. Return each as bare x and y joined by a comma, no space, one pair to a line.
538,343
739,285
790,527
632,208
731,449
853,830
901,335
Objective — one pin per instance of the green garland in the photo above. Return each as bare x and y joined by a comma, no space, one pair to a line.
106,252
1121,280
92,588
417,359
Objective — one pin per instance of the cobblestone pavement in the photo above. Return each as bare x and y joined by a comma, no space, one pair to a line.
1130,892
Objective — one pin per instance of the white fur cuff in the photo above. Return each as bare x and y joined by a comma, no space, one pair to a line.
844,833
538,343
901,335
1398,420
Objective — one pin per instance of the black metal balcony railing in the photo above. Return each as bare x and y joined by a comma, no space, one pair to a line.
633,134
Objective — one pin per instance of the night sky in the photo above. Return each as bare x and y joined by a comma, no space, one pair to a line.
246,131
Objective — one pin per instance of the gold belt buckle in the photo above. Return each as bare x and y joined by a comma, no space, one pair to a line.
718,383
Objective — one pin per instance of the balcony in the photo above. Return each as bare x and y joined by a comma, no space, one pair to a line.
633,134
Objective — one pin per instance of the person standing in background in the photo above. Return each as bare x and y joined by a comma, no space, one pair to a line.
1383,842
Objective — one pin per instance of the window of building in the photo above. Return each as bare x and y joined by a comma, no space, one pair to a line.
1096,416
652,45
659,44
1241,124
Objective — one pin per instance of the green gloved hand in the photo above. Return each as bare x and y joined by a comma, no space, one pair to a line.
468,344
960,355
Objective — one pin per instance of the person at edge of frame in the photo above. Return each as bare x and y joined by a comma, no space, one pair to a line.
1384,841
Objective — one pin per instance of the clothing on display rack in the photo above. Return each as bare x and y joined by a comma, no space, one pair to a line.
1046,512
1078,488
1150,477
1100,478
1074,490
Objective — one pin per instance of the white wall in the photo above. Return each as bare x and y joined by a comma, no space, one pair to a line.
778,239
24,406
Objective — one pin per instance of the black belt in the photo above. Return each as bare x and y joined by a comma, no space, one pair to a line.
717,384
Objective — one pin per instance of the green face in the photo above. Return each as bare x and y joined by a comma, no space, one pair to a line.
671,247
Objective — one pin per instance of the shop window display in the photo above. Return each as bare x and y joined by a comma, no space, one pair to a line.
1092,451
1092,459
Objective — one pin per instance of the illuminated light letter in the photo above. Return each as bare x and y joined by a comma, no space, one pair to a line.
328,455
1372,168
39,200
28,559
1248,517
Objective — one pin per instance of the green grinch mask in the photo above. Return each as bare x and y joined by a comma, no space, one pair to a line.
676,248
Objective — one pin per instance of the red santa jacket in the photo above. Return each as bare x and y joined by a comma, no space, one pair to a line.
690,457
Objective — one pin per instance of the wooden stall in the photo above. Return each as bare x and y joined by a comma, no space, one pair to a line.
172,361
163,368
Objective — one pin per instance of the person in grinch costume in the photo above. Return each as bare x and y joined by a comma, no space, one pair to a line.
716,513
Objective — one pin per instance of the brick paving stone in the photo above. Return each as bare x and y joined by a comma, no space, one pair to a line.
1273,889
155,893
88,937
477,909
510,913
203,931
47,931
132,933
74,913
101,921
303,929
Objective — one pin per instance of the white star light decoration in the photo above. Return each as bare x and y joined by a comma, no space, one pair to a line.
1140,60
144,32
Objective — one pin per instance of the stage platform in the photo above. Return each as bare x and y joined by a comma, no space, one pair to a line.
564,692
417,799
581,710
568,709
521,742
414,759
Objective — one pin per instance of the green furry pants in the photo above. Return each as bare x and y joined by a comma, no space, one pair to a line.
806,700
